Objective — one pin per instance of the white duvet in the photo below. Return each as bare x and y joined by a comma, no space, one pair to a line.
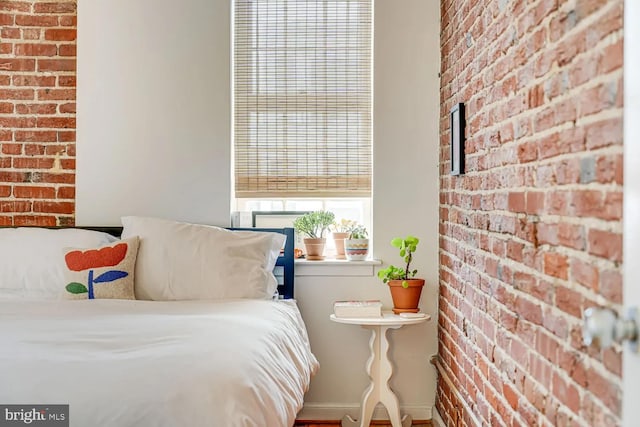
147,363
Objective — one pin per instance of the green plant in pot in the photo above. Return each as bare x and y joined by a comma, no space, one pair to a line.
341,231
314,225
404,286
356,246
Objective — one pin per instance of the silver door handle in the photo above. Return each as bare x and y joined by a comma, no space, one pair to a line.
603,327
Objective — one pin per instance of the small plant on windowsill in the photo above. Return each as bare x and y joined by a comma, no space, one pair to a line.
341,231
404,286
314,225
357,245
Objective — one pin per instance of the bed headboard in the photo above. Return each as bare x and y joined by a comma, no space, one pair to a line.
284,270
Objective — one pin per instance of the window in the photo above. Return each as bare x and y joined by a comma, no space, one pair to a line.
355,209
302,99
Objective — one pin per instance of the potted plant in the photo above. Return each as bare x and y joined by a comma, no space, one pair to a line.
405,288
314,225
356,247
341,231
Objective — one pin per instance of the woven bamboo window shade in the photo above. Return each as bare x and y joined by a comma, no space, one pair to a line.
302,98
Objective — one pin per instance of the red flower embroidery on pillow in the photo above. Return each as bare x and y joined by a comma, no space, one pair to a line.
96,258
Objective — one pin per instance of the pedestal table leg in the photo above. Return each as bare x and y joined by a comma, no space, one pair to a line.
380,370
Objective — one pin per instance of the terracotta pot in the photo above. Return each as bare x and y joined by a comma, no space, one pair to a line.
406,300
356,249
338,239
314,248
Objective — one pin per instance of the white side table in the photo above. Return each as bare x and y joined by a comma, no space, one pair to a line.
379,368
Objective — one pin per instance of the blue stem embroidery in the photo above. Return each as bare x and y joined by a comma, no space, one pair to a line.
90,283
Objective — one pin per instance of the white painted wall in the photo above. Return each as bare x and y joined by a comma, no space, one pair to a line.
405,201
153,107
153,118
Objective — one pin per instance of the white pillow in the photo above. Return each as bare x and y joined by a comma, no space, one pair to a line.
182,261
32,263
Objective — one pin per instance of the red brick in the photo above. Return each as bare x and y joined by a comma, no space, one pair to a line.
36,21
36,108
16,94
34,220
31,192
58,178
6,135
17,64
609,169
67,81
10,33
569,301
17,122
59,34
36,136
68,108
15,206
535,202
6,108
604,133
34,149
608,392
517,202
67,50
605,244
585,273
566,393
56,94
6,49
611,285
66,193
7,19
69,164
571,236
511,394
68,21
556,265
36,49
45,65
30,80
67,136
31,33
55,7
54,207
56,122
15,149
529,310
33,163
15,6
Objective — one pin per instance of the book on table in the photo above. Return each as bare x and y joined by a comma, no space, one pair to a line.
358,308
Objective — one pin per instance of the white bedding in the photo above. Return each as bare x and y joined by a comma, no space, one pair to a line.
149,363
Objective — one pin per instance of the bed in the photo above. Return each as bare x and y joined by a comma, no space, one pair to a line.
175,360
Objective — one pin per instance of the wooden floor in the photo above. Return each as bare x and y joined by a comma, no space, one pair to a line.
311,423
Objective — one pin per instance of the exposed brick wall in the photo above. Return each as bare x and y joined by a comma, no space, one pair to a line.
37,112
532,234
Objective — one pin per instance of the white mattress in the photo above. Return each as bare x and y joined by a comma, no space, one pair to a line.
145,363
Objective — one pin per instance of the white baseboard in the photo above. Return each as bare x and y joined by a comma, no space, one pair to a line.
336,411
436,419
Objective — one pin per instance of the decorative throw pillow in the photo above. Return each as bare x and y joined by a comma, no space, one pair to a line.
103,272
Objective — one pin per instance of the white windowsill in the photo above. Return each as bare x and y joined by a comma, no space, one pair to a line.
336,267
